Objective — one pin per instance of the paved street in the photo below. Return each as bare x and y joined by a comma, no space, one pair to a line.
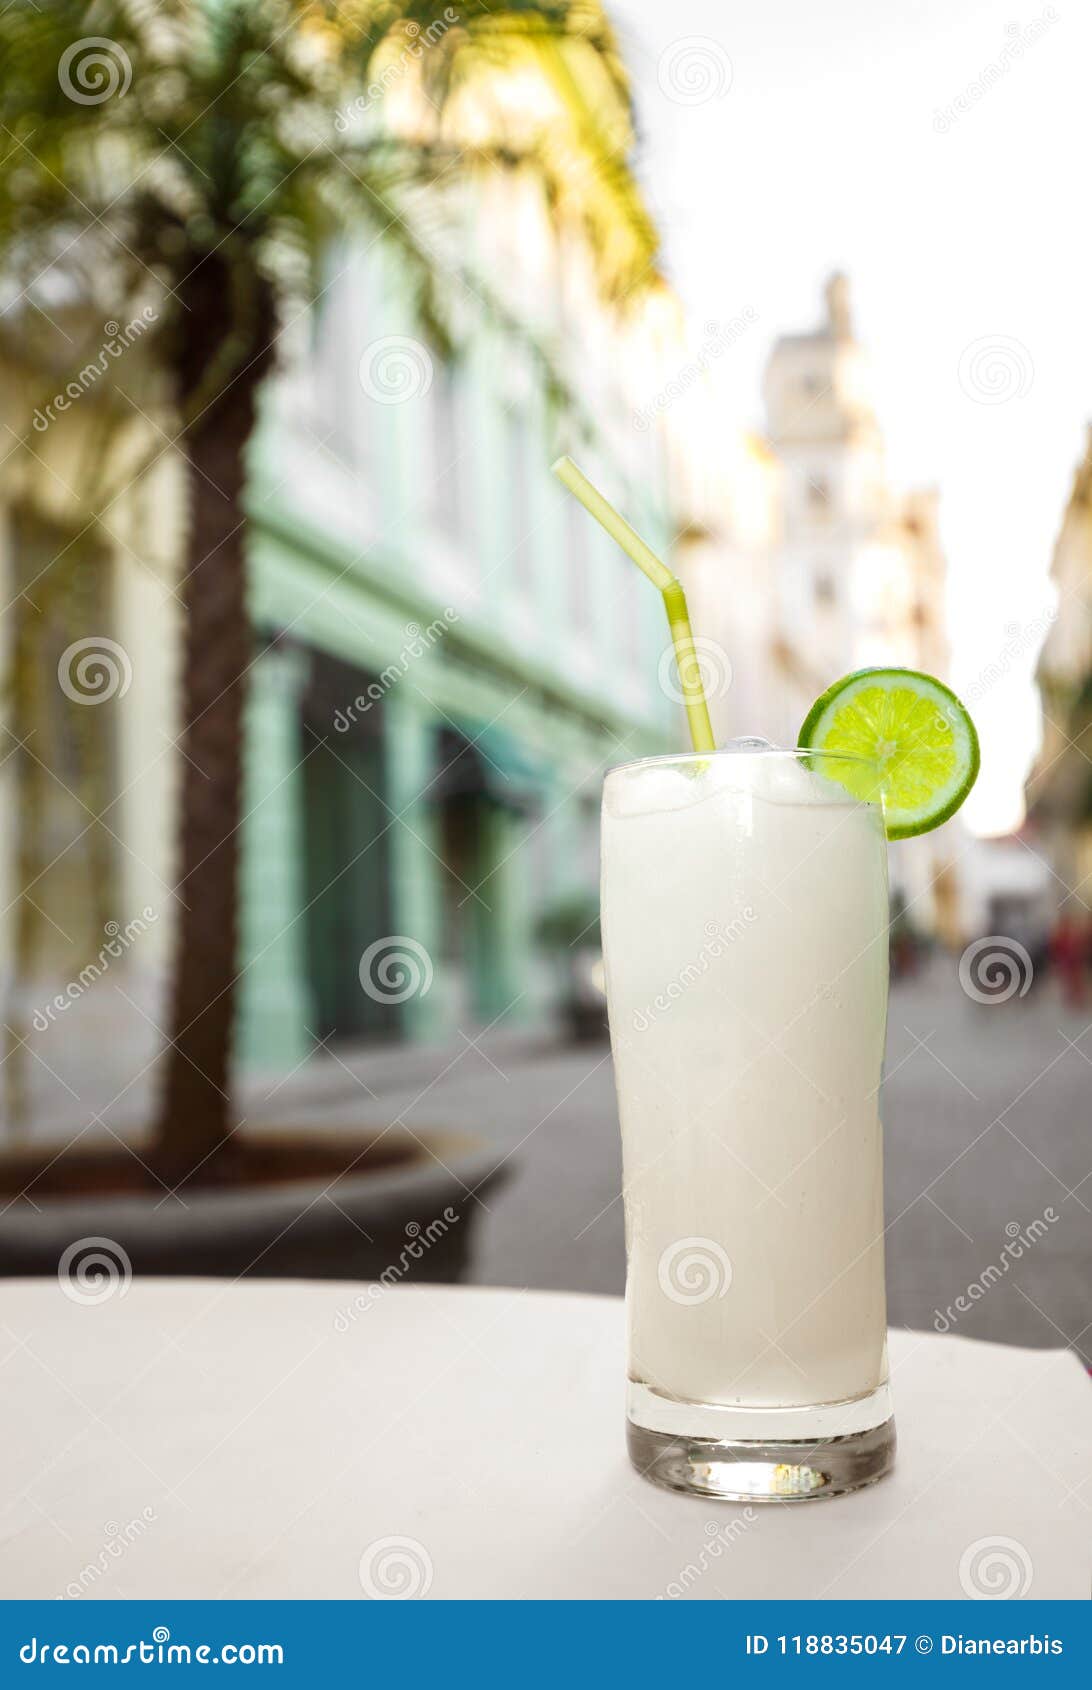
988,1131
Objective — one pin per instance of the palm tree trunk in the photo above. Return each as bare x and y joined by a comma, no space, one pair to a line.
196,1116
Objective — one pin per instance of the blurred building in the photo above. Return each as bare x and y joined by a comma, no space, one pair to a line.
448,652
808,563
726,553
861,571
1008,889
454,654
1059,788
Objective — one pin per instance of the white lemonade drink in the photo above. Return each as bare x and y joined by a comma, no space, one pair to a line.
745,918
745,912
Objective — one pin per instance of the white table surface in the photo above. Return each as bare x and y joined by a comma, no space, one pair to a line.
196,1438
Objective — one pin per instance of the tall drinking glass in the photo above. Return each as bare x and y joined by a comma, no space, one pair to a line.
745,915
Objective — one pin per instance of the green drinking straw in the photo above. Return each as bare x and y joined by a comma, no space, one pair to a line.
678,617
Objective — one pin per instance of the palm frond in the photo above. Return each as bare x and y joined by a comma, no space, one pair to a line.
259,130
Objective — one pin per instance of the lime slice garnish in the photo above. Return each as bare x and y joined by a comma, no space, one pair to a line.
920,744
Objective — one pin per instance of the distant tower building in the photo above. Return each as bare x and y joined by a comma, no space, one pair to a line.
823,431
839,316
860,572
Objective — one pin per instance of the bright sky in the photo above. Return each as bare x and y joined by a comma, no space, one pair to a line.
825,145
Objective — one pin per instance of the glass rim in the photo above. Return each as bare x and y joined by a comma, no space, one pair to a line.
795,751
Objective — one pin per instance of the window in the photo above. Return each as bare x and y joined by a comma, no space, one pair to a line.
448,462
519,540
576,564
339,417
824,588
818,494
61,758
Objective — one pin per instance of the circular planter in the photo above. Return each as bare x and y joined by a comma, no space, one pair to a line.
412,1215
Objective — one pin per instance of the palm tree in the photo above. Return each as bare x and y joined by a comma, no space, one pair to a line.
213,149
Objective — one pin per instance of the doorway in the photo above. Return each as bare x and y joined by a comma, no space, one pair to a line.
347,859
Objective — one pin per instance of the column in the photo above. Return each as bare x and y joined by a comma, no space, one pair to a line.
409,753
274,1000
502,971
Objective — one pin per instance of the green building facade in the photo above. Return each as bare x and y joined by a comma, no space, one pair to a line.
449,655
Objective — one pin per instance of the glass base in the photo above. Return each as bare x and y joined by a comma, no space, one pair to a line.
761,1455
